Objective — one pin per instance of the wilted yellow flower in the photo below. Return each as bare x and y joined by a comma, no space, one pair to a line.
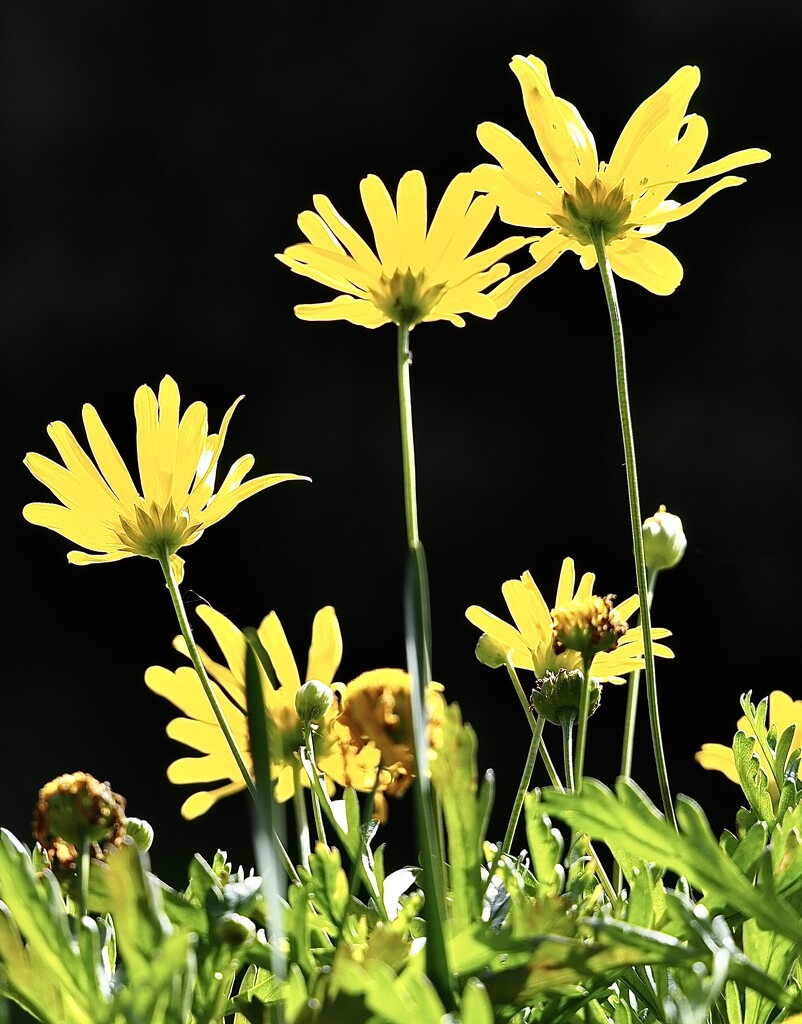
530,641
199,729
73,808
103,510
377,711
782,712
416,274
626,198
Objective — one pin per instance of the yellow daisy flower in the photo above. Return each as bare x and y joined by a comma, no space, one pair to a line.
416,274
627,197
103,510
199,729
782,712
531,640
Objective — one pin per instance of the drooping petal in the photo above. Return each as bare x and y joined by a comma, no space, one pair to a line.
647,263
717,757
504,634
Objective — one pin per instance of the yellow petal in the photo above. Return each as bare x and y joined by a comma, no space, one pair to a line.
564,138
326,648
411,205
356,311
382,216
199,803
109,460
652,129
221,505
502,632
665,215
728,163
716,757
646,263
353,241
274,640
525,612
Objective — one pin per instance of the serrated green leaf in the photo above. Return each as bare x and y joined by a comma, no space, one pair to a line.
629,820
545,847
39,915
455,777
329,886
772,953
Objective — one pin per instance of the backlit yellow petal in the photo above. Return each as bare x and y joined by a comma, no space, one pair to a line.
645,262
353,241
326,649
384,221
412,221
719,758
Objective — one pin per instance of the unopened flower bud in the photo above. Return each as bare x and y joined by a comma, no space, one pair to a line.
559,696
234,930
313,700
664,540
490,652
141,832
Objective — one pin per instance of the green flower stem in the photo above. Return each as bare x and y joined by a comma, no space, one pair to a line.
523,786
538,723
186,632
582,724
633,692
568,754
635,518
418,647
320,827
301,820
83,876
534,722
265,815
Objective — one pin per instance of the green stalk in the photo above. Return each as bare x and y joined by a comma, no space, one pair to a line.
631,712
534,725
320,828
83,875
265,817
197,664
523,786
635,518
301,820
418,647
582,724
568,754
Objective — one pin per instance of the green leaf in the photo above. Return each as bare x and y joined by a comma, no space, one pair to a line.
455,777
475,1005
139,918
34,908
545,847
629,821
328,887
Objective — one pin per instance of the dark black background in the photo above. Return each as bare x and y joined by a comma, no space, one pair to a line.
155,157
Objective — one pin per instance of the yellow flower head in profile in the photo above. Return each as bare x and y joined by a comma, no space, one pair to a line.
530,641
416,273
782,712
103,510
626,199
199,728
